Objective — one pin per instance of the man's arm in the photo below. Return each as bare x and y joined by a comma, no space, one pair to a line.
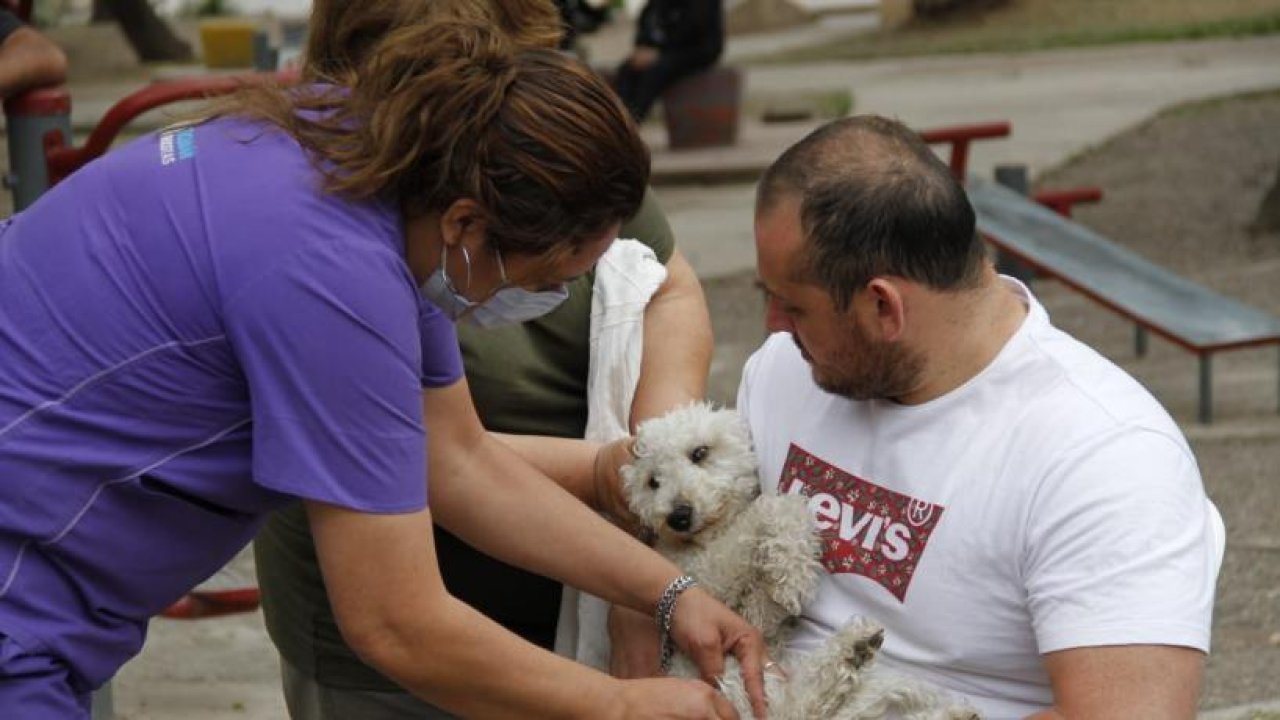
1120,588
1125,682
28,60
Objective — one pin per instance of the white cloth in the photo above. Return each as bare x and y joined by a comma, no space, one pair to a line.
627,276
1048,503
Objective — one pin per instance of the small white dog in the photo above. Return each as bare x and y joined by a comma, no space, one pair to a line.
694,484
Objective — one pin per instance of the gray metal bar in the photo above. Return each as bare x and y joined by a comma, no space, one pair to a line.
1206,388
28,176
103,704
1016,178
1140,340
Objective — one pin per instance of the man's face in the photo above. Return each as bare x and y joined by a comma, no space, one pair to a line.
843,348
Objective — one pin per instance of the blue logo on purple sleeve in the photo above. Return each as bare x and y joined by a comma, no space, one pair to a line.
176,145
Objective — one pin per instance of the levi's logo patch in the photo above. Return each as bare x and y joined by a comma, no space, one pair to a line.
866,529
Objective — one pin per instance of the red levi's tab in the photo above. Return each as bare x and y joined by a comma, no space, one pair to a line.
866,529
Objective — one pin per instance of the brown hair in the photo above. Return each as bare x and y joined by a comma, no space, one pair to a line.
449,110
343,31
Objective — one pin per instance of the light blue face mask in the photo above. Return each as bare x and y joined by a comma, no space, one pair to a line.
509,305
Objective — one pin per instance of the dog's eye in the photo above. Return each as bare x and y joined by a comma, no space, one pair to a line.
653,483
699,454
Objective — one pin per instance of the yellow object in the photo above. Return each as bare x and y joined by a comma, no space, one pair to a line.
227,43
895,13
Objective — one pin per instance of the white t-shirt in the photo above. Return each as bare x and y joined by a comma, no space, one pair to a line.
1048,503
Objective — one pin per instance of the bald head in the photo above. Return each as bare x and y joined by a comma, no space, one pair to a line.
874,201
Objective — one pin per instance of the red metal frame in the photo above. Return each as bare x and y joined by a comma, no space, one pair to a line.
959,136
39,102
1063,201
196,605
63,159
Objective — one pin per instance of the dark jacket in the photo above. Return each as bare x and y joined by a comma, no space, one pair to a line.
683,27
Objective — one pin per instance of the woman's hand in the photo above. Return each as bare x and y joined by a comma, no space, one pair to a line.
706,630
672,699
634,646
607,483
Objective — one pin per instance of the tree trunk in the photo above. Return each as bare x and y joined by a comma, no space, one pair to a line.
152,39
1268,219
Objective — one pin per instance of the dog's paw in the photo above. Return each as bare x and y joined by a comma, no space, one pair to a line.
859,641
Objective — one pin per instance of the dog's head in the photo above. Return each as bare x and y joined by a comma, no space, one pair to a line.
694,468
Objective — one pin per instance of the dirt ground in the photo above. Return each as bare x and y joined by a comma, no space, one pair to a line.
1181,190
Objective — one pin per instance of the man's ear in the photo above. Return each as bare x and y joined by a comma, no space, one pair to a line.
463,224
888,308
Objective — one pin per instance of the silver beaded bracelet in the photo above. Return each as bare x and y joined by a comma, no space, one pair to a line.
666,611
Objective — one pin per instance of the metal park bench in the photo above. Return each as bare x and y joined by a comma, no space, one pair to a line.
1155,299
1037,232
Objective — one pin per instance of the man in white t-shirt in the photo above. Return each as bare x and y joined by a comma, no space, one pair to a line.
1025,520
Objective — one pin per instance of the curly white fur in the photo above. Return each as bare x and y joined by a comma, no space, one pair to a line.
694,484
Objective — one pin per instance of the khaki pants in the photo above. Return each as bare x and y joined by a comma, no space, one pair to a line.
309,700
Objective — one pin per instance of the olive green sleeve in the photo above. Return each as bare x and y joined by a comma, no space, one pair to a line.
650,227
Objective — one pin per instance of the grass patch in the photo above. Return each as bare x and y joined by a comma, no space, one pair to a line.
1196,106
1026,25
817,104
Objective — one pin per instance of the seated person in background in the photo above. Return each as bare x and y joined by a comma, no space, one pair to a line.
27,58
1022,516
674,39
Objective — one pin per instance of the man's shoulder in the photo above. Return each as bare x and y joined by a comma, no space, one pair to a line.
1074,391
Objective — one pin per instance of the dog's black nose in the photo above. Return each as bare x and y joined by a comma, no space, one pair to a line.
681,518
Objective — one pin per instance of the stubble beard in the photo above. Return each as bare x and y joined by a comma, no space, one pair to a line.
863,369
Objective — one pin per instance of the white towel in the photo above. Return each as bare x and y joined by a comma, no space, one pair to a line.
627,276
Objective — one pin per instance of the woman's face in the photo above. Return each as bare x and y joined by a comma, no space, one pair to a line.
531,273
477,270
524,286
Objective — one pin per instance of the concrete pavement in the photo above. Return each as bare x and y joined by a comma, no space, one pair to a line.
1059,102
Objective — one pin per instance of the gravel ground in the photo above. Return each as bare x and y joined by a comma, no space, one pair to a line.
1181,190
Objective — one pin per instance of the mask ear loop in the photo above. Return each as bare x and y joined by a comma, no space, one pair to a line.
502,271
466,258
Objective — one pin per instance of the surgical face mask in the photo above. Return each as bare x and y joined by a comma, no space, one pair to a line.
509,305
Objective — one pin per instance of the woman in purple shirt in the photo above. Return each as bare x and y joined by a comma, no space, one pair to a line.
228,315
